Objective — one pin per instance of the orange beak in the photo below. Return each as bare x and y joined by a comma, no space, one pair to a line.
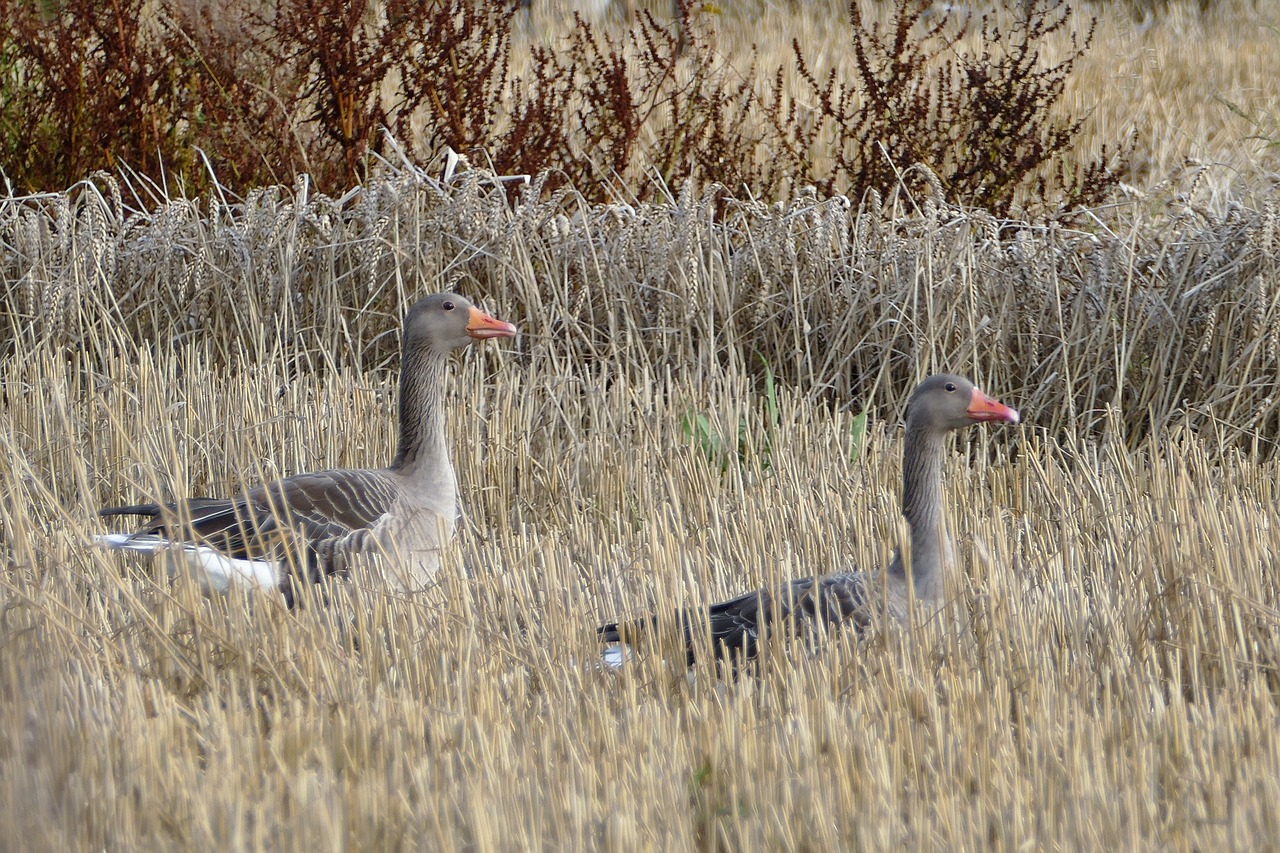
481,326
983,408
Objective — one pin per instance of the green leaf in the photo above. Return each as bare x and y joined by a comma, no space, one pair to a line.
770,397
857,435
697,428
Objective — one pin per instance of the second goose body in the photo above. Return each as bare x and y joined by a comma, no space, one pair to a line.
939,405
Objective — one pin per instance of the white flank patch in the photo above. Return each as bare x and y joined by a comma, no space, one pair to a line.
214,571
131,542
616,655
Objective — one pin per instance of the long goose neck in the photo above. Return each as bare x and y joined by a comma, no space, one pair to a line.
422,446
923,455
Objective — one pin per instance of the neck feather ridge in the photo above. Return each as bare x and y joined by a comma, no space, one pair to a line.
422,445
923,457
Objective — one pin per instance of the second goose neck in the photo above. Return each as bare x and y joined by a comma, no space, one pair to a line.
923,456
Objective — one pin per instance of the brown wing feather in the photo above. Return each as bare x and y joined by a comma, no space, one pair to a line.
312,507
329,503
802,607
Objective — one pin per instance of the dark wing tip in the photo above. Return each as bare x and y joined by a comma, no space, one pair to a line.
137,509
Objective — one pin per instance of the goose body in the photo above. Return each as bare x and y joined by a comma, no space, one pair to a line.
809,606
392,521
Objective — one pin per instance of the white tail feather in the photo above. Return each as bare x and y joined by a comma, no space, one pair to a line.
142,542
216,572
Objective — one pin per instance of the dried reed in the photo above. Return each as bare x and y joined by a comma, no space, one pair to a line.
1128,318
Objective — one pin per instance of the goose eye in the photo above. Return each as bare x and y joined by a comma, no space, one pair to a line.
951,386
448,306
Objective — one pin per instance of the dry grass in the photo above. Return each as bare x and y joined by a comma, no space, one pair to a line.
1173,81
1106,676
1166,316
1170,80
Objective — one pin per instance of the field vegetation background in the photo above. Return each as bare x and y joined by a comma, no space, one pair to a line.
729,268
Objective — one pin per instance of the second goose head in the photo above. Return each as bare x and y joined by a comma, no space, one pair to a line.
944,402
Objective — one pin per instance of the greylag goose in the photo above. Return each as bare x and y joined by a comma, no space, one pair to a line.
312,525
939,405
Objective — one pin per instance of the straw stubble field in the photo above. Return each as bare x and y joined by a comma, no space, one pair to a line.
1106,674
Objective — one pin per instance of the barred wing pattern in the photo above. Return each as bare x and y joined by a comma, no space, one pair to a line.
803,607
313,519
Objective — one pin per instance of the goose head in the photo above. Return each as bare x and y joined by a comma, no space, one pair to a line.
945,402
446,321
